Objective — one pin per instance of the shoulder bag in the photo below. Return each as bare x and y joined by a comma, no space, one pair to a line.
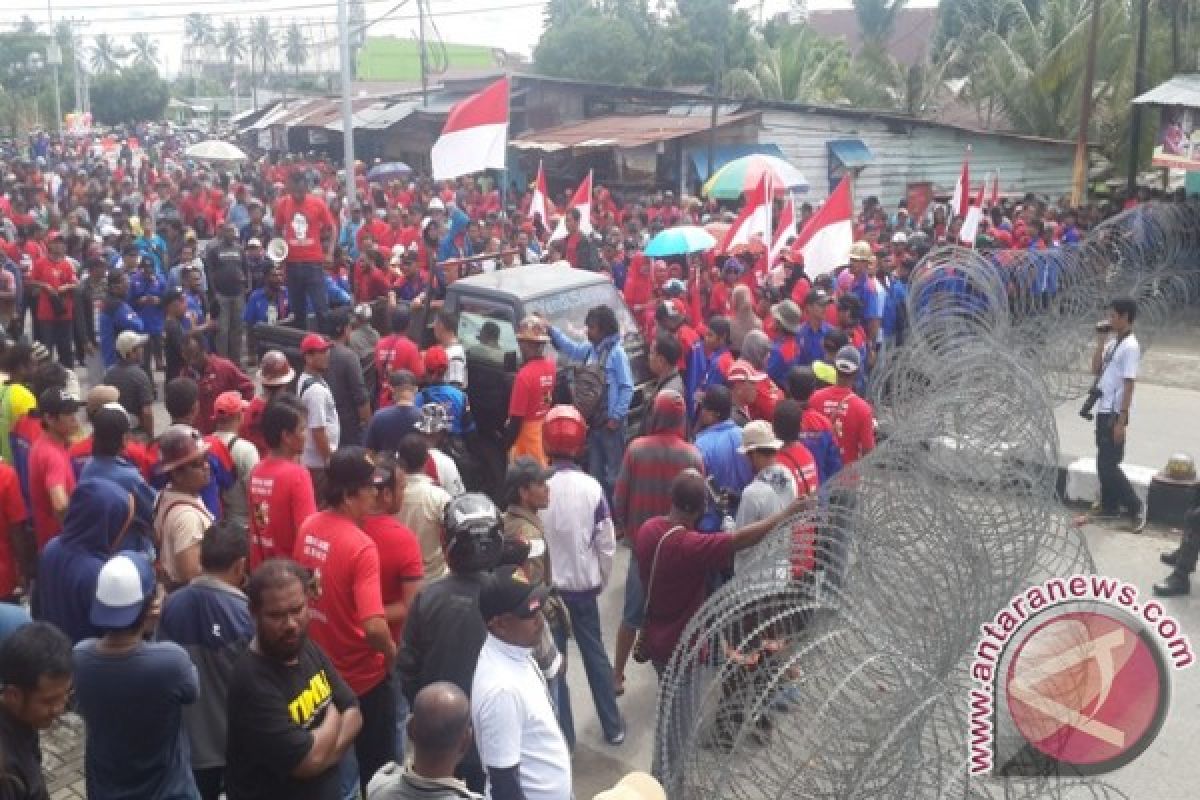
639,644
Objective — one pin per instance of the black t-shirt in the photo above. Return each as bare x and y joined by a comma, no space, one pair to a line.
134,386
272,709
173,337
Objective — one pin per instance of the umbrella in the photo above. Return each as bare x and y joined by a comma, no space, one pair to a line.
389,170
215,150
679,241
743,174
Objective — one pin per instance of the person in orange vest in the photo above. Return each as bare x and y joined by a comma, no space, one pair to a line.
532,392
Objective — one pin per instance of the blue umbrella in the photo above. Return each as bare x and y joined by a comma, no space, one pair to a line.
389,170
680,241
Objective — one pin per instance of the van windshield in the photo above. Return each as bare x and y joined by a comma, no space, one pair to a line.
567,310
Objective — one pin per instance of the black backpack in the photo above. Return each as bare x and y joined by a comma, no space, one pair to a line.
589,389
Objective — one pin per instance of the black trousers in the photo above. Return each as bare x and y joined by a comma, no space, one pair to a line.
1116,493
1189,548
210,781
376,742
59,338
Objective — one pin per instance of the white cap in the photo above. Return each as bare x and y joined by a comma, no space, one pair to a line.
128,340
899,237
122,587
436,204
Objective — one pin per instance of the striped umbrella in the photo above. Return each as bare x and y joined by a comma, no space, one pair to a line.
742,174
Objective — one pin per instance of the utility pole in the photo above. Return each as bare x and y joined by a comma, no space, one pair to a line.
54,56
718,68
1139,87
424,57
1079,184
347,107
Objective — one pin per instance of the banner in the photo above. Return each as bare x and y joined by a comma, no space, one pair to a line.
1178,142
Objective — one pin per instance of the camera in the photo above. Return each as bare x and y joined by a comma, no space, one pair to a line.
1093,396
1103,326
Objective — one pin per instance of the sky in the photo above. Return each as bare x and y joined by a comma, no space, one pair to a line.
514,25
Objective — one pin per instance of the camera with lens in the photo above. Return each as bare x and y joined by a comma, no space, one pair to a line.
1093,396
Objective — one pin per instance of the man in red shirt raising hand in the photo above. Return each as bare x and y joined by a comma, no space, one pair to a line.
302,219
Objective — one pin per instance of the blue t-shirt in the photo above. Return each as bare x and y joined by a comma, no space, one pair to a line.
389,426
132,706
454,400
258,307
142,286
115,317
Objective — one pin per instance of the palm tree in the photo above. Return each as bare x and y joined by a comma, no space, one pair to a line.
200,33
295,48
803,67
877,19
106,54
261,41
145,49
233,44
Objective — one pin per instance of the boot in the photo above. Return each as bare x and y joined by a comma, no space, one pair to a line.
1176,584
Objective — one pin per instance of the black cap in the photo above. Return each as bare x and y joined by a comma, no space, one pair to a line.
172,294
510,592
719,400
58,401
110,421
524,472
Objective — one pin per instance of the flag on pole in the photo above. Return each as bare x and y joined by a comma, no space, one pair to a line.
995,198
961,198
973,217
785,229
540,203
825,241
475,137
583,201
755,218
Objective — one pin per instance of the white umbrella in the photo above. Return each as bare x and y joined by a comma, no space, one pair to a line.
215,150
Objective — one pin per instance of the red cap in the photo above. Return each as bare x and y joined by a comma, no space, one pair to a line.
743,370
228,404
436,360
314,343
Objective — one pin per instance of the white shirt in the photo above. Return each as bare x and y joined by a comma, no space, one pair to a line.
456,373
322,413
447,472
1119,366
234,502
578,530
515,723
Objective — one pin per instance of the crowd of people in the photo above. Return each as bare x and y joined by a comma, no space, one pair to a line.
293,590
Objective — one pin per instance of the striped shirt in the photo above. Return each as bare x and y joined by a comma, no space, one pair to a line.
643,487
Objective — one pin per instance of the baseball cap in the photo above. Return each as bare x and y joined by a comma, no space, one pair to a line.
436,204
743,370
899,237
848,359
825,372
759,435
101,395
179,445
523,472
128,340
125,583
58,401
362,311
436,360
510,592
314,343
228,404
254,242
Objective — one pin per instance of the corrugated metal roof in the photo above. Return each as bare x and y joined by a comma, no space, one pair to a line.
1181,90
618,131
378,116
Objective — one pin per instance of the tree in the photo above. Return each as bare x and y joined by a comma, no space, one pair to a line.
27,26
877,20
144,49
295,48
132,95
693,31
199,30
233,44
802,67
262,42
107,55
592,47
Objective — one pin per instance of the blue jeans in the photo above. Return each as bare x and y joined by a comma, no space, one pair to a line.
306,288
605,449
402,710
633,612
585,621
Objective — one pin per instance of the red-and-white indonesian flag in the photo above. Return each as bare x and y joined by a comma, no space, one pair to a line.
785,229
961,199
825,241
540,202
475,137
755,219
583,201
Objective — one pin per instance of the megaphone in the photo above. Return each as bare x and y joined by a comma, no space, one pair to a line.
277,250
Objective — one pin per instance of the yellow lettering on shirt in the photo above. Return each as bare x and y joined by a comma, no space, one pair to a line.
311,700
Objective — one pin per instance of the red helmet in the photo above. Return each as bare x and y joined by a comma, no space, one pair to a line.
564,432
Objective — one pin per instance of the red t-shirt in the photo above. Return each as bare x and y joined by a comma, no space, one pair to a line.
375,284
251,429
345,565
49,466
680,579
56,274
399,558
766,398
799,461
281,498
533,390
396,352
852,419
12,512
135,453
301,225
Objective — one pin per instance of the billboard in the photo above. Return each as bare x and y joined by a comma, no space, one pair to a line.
1178,142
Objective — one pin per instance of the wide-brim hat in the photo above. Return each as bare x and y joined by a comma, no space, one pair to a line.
787,315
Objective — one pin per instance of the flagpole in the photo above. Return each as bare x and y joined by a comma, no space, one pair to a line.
507,130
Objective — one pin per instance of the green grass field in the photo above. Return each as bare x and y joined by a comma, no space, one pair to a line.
388,58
